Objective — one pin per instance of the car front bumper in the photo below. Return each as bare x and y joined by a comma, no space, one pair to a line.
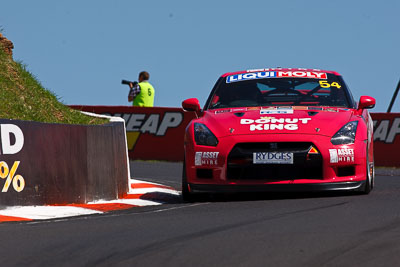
315,187
209,173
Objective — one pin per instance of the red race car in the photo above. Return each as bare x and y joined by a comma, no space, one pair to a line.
279,129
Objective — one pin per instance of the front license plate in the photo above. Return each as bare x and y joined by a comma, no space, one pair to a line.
272,158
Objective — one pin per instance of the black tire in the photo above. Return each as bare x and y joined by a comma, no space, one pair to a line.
370,179
373,174
186,195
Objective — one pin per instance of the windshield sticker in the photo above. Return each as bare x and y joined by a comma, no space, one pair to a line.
261,124
331,109
326,84
253,108
275,74
270,69
222,111
238,109
300,108
315,108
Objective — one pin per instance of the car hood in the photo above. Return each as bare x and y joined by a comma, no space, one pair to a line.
300,120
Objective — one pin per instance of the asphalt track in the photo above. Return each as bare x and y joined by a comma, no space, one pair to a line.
244,230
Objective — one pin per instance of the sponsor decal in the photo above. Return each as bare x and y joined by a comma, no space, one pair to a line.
269,108
239,110
222,111
331,109
275,74
12,142
341,155
267,118
326,84
313,150
279,110
302,74
261,124
271,69
253,108
273,158
250,76
300,108
206,158
385,132
315,108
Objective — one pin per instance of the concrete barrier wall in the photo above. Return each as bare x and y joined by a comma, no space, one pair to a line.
153,133
61,163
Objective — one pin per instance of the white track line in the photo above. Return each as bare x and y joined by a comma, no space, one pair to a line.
53,212
136,181
46,212
153,190
135,202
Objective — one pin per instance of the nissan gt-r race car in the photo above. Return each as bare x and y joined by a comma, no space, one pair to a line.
279,130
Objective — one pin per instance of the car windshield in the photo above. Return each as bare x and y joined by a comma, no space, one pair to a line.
233,92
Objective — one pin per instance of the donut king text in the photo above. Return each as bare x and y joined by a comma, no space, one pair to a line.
290,124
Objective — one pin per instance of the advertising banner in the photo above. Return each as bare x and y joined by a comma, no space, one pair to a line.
386,139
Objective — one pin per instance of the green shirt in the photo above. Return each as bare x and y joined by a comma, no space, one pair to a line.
146,96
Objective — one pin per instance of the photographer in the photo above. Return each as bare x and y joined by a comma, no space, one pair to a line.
142,93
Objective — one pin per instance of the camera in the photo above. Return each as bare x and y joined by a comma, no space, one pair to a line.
128,82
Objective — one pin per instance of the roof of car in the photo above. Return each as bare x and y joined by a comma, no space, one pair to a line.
279,69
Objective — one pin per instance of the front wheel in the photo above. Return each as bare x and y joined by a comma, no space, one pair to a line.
370,173
186,195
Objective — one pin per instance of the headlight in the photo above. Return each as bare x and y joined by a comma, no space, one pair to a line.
203,136
346,135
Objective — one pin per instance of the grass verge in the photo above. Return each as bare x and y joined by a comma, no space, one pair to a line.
22,97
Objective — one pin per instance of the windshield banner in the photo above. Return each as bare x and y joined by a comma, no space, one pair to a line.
276,74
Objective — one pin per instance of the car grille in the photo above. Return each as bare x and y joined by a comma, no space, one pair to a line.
305,166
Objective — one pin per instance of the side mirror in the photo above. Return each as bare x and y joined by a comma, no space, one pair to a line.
366,102
191,104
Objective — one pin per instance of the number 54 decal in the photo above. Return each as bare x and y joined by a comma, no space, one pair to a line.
326,84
